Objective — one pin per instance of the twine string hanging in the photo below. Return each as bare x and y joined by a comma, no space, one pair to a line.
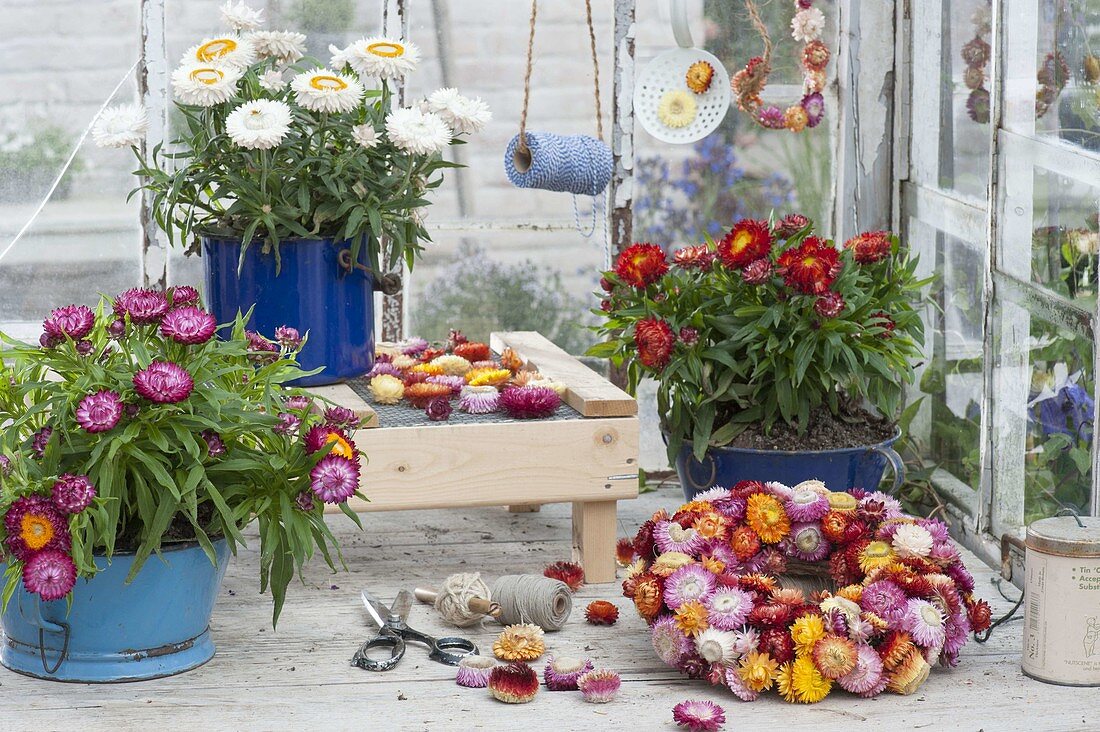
523,152
748,95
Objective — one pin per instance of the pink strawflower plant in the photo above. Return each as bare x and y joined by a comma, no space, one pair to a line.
141,396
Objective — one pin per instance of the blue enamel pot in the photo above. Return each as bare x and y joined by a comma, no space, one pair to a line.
157,625
317,289
839,470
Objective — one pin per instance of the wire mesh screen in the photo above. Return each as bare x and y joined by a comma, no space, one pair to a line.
403,415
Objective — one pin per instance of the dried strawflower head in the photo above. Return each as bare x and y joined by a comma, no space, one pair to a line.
516,683
431,369
601,612
438,410
568,572
420,395
699,76
511,360
524,377
599,686
529,402
402,362
472,351
487,376
624,552
452,365
909,673
454,383
479,399
561,674
386,389
699,715
473,671
521,642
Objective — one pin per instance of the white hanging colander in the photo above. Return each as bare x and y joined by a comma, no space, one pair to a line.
668,72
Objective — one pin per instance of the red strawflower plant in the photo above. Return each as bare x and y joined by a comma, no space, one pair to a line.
783,325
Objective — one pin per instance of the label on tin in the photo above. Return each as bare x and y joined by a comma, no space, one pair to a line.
1062,618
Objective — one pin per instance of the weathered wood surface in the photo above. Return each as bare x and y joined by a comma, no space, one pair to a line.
299,677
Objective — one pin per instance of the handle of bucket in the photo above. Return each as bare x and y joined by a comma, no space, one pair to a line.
680,29
34,617
896,463
387,284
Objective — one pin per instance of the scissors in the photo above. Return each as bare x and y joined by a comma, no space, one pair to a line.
393,634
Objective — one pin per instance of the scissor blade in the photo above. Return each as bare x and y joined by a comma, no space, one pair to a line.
375,608
402,605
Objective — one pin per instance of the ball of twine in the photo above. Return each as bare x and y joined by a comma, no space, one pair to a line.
532,598
453,600
523,598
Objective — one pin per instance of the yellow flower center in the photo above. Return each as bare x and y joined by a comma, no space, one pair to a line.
216,49
386,49
342,448
36,531
877,550
324,82
207,76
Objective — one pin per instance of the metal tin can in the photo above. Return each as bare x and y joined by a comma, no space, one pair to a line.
1062,608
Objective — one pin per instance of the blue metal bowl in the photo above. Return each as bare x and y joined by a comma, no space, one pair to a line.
839,470
157,625
313,292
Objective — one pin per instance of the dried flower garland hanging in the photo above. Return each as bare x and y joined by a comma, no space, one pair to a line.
748,84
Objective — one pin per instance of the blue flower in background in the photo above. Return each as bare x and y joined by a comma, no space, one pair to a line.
708,196
1068,412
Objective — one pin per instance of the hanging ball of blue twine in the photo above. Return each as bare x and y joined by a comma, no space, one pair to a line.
578,164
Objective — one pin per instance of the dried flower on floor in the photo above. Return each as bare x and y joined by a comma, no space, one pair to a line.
438,410
601,612
561,674
568,572
522,642
516,683
699,715
473,671
599,686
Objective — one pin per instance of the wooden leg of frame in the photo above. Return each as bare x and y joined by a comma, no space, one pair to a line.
594,540
524,508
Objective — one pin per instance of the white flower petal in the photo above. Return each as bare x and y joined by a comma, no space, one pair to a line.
121,126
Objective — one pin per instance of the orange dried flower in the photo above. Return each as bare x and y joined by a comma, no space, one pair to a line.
420,394
711,525
757,582
909,673
745,543
601,612
487,376
833,525
472,351
511,360
765,514
699,76
895,648
648,598
691,618
519,643
624,552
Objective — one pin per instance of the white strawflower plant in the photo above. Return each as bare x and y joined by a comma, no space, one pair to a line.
274,148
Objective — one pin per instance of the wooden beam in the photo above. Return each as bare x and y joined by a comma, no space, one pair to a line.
588,392
622,142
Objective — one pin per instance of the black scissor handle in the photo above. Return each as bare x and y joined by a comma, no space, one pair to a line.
443,650
395,643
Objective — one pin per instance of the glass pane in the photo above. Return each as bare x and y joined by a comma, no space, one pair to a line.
1053,69
506,281
951,380
951,87
85,240
1043,413
1065,240
682,192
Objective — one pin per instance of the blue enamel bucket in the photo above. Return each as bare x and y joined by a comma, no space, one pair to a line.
317,289
839,470
157,625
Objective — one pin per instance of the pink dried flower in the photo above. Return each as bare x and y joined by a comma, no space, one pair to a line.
529,402
305,501
699,716
99,412
790,225
414,347
454,383
288,422
84,347
689,336
143,306
298,403
691,583
771,117
40,441
74,321
34,524
72,493
383,367
867,678
117,328
561,674
334,479
188,325
479,399
164,382
257,342
599,686
50,574
473,672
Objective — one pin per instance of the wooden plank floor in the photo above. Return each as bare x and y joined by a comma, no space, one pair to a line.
299,677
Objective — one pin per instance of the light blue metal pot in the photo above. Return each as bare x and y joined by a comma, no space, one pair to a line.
157,625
